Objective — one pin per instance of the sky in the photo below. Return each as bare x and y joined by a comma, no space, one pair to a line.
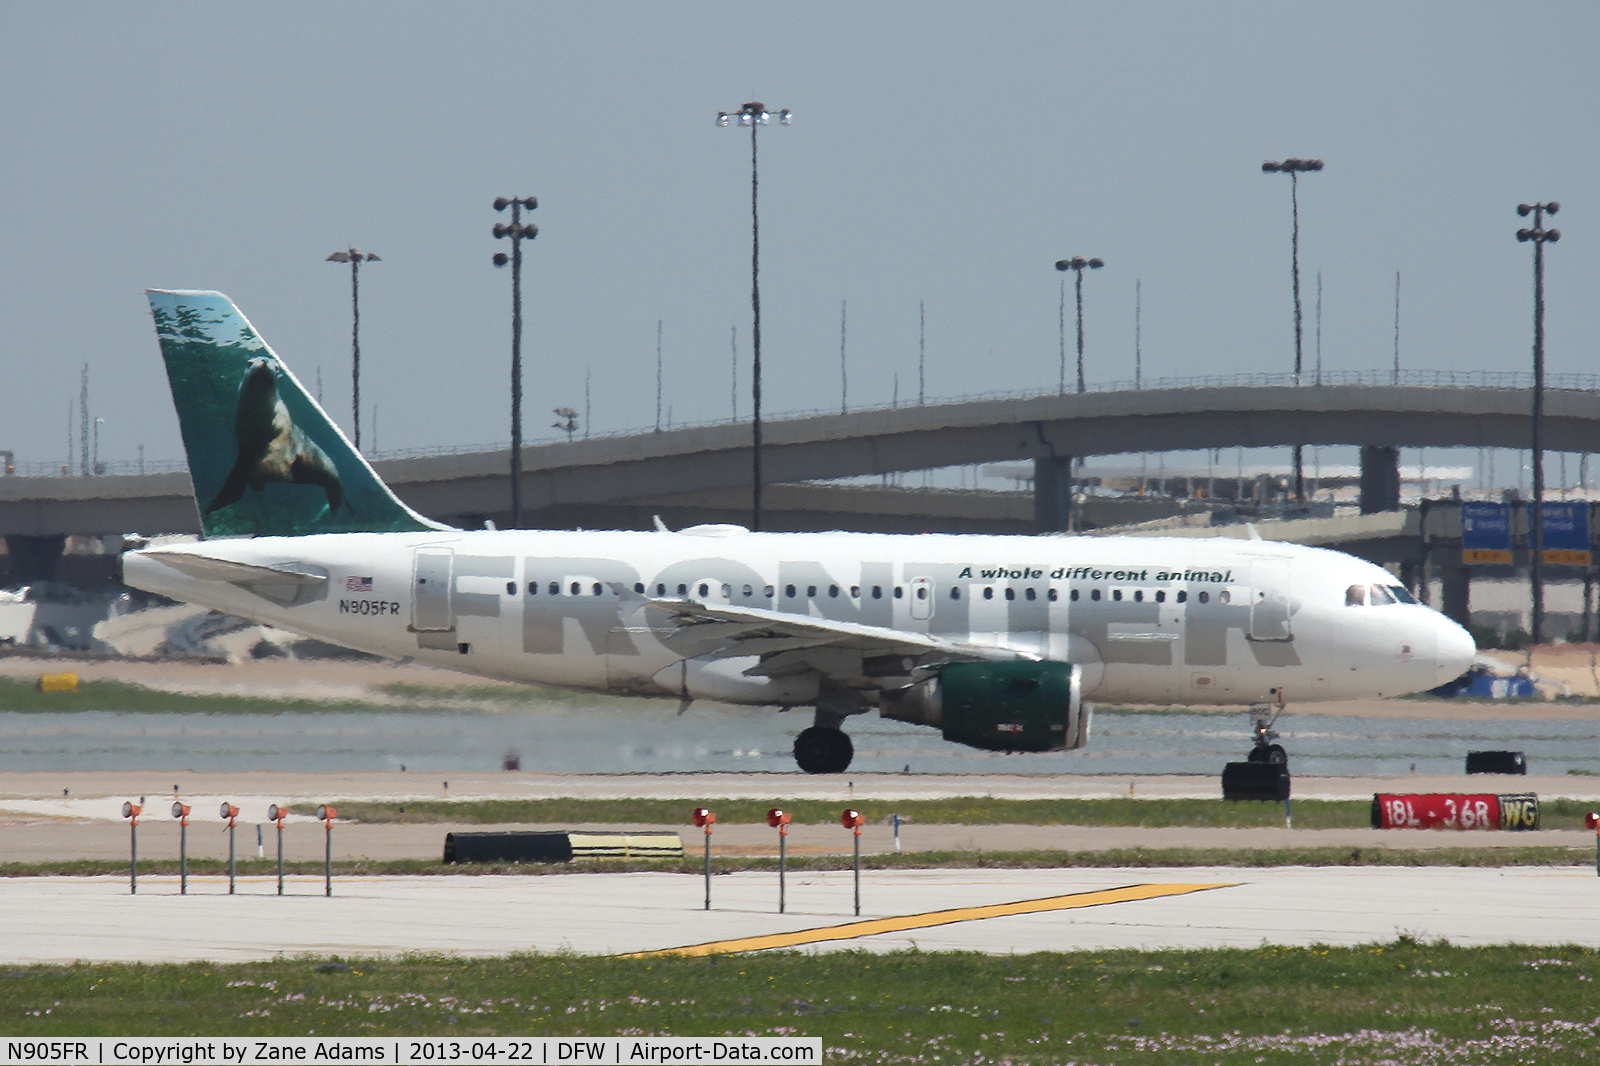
944,154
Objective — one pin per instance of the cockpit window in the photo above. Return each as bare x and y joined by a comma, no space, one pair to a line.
1355,596
1401,594
1379,596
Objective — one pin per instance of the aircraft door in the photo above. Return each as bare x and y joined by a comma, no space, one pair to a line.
921,591
1269,603
431,583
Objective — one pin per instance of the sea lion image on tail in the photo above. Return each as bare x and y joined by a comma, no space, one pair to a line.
271,446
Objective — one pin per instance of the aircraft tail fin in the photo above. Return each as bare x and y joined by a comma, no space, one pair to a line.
264,458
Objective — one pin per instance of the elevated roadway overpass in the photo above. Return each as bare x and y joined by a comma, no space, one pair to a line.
702,473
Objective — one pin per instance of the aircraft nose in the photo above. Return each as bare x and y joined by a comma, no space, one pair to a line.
1456,650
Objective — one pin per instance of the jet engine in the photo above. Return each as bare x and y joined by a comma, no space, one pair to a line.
998,706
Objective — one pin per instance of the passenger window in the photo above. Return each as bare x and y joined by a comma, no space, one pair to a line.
877,592
511,588
811,590
1094,594
727,591
899,593
1161,596
1355,596
1116,594
705,589
1224,597
1030,594
922,592
683,590
1380,596
597,588
988,593
788,590
1204,596
955,592
661,590
767,591
1183,595
1074,595
1401,594
638,586
1052,595
855,592
555,589
833,591
1011,593
748,592
533,588
577,589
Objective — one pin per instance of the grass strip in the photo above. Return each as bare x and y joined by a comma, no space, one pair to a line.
958,810
693,864
1404,1002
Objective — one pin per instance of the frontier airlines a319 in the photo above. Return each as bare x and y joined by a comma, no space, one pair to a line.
1001,642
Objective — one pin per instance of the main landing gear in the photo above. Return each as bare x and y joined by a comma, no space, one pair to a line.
1265,716
825,748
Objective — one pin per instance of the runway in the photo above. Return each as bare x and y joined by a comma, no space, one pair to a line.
58,920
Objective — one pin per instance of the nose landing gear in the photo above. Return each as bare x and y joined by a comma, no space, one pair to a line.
1264,717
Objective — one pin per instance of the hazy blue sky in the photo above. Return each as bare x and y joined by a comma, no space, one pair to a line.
946,152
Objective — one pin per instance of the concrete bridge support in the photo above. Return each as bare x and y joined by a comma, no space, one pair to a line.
1052,493
1380,478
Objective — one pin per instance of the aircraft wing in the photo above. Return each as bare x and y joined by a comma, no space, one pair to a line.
285,583
790,642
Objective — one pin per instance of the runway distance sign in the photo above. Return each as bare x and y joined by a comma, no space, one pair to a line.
320,1051
1515,811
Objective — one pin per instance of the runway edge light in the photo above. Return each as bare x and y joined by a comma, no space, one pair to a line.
130,811
180,811
852,820
1592,821
705,819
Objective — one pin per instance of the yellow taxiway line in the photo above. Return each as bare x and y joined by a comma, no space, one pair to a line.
872,927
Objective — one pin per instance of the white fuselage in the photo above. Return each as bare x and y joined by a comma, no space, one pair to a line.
1150,620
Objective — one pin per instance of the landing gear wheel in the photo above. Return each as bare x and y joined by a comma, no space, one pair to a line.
1269,753
820,750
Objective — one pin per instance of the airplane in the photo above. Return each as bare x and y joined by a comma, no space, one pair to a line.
1003,643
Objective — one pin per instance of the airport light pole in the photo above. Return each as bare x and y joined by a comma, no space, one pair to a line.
1076,264
1294,168
355,257
755,115
518,231
1539,236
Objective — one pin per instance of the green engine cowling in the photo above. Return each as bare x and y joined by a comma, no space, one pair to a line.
998,706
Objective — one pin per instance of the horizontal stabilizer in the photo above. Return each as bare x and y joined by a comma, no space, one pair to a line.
286,583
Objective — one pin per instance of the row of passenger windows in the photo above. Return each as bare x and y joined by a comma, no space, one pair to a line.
576,588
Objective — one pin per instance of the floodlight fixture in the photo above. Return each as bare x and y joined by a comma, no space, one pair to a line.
755,115
1294,168
1539,236
355,257
518,231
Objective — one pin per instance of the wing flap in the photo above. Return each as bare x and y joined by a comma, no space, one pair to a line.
726,631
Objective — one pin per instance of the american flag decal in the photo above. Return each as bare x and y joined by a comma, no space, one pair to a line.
358,584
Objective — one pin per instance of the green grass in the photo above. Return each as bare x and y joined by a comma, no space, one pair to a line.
693,864
1403,1002
958,810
